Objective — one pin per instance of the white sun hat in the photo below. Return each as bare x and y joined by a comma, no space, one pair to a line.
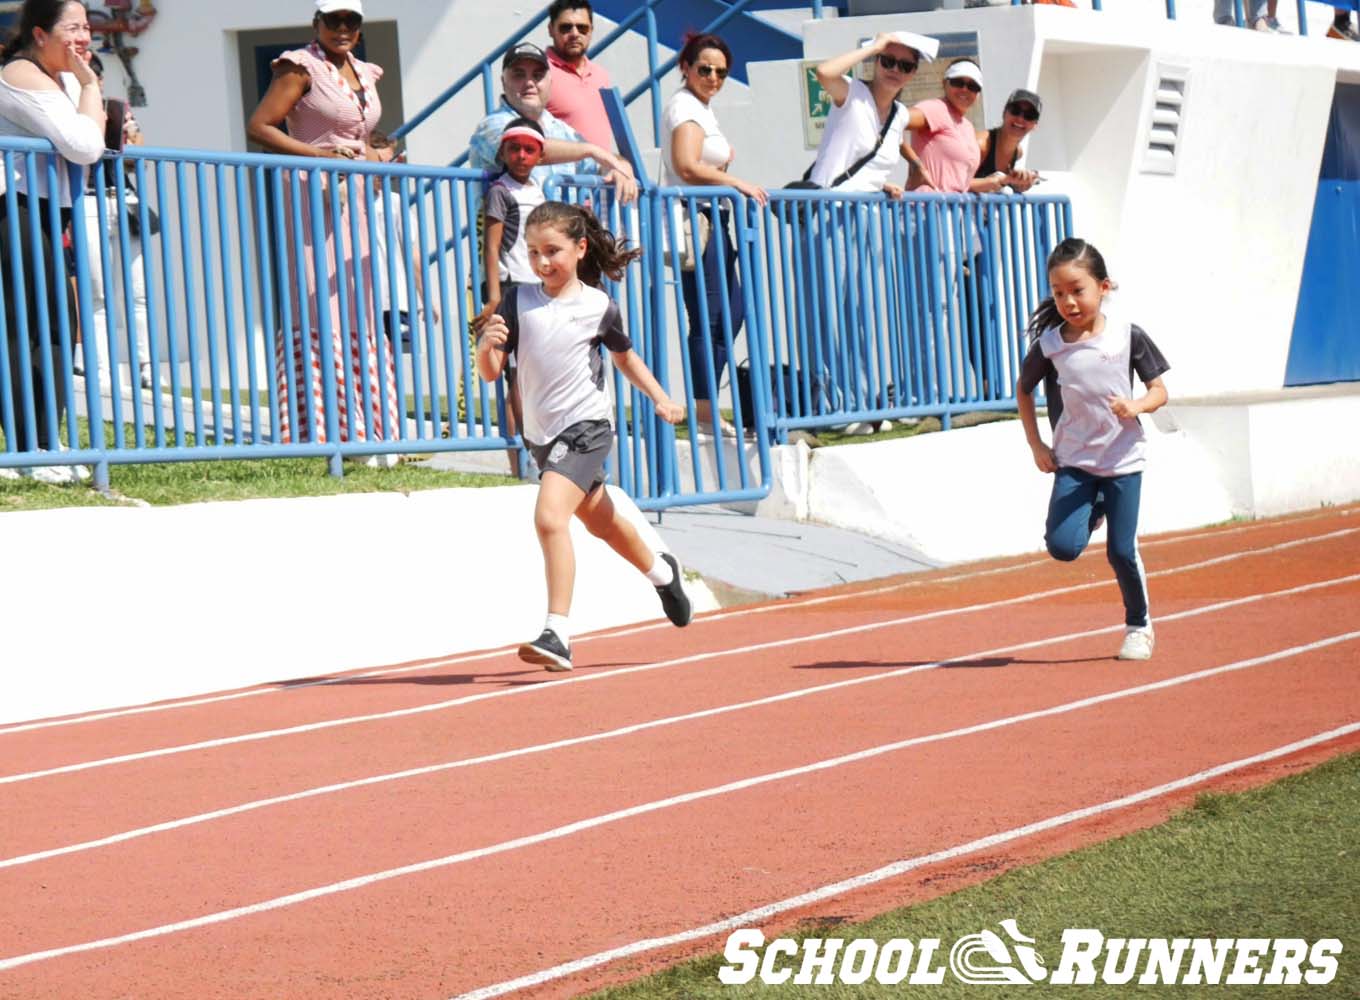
331,6
927,47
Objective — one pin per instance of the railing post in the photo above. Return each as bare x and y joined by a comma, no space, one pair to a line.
1303,17
1238,14
1171,9
322,319
94,405
653,58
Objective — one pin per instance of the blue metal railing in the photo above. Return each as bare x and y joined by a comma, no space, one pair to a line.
1239,15
315,307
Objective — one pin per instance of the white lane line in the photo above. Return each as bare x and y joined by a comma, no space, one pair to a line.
435,664
416,772
631,812
760,914
439,706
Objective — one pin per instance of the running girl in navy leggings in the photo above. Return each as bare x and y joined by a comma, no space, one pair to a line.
1086,361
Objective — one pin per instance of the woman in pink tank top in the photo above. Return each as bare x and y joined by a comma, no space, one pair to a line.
329,100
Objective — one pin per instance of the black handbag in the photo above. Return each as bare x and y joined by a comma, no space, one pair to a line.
806,182
792,391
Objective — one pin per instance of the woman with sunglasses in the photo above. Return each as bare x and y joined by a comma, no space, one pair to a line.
1001,152
862,112
941,134
694,151
329,100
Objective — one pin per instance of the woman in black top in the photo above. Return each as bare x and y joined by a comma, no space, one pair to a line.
1001,147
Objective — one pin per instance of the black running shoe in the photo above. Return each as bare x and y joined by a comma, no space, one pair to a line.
673,596
547,651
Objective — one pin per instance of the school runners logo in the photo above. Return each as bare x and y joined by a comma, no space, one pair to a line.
1011,958
996,965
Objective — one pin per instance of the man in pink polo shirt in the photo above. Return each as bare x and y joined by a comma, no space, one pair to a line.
576,79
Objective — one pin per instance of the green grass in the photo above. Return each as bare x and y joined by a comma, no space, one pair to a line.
167,483
1279,861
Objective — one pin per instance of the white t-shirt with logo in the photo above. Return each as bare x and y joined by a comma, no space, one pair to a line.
851,131
559,345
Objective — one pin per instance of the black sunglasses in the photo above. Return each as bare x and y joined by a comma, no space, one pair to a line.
960,82
568,27
705,70
1022,111
905,65
336,20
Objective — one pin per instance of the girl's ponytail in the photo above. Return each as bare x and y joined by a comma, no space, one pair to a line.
605,256
1070,251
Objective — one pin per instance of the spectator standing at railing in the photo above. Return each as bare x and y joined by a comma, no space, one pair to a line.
694,151
103,184
576,78
941,134
863,141
528,85
1001,147
47,91
329,100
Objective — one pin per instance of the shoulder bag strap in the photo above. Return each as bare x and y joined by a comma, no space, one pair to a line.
859,164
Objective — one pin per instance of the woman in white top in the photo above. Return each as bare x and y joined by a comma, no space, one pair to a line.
47,91
861,111
694,151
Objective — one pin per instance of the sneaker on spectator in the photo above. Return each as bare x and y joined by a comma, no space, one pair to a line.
145,369
52,475
9,474
547,651
859,428
673,597
1137,644
1344,32
1274,24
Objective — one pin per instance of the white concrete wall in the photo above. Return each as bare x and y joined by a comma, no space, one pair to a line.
119,606
975,493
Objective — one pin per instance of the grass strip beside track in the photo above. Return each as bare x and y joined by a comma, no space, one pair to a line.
1274,862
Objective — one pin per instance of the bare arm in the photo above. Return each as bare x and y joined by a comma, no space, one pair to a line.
687,142
491,354
289,84
1043,454
495,232
831,73
635,370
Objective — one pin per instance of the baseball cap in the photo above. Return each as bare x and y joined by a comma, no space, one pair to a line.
331,6
1028,96
524,50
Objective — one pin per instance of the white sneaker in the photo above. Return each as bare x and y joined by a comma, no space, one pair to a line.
52,475
1137,644
885,425
9,474
859,428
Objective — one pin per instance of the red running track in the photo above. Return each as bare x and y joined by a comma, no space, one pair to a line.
471,825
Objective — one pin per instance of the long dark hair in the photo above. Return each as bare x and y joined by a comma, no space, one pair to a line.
1069,251
605,255
35,14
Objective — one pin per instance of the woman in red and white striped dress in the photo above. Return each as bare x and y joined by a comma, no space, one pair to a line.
329,99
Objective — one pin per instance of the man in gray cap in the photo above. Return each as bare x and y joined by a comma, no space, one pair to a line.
526,83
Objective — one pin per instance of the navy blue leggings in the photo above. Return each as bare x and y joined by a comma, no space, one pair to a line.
1075,493
716,264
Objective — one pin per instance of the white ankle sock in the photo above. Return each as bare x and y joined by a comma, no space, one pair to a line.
661,573
559,624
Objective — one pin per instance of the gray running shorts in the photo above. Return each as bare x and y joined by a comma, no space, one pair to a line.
578,453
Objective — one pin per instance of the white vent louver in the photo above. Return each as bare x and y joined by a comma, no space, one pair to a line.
1167,120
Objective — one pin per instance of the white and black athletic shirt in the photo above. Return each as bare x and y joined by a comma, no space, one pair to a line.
510,202
559,345
1079,379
